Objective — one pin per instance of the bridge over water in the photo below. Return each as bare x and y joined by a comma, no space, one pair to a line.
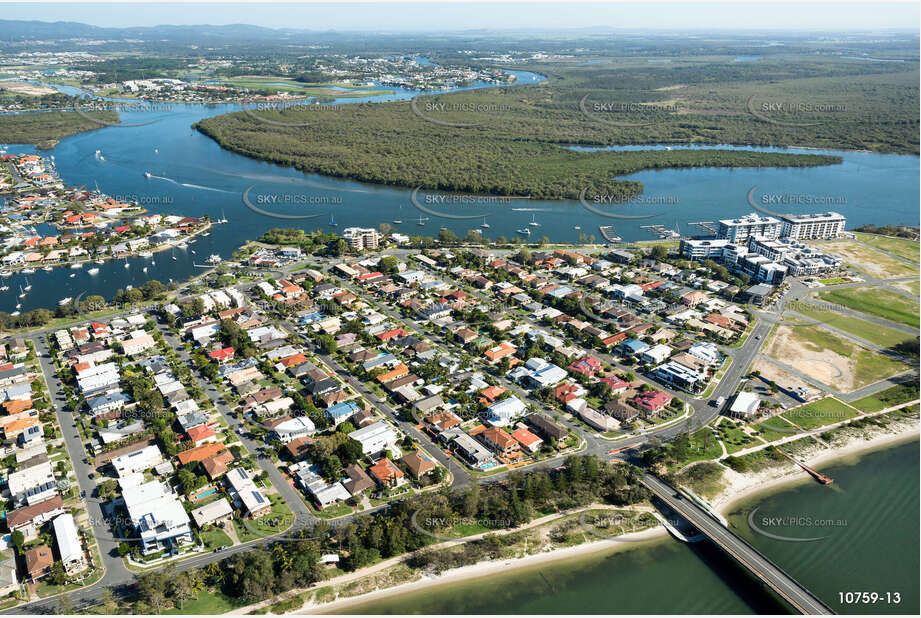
783,584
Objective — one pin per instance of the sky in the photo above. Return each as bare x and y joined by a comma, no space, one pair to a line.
444,16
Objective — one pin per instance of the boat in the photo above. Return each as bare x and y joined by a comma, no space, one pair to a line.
193,250
174,257
524,231
22,294
153,262
607,231
6,273
47,269
4,288
577,227
484,224
145,254
156,151
182,245
98,152
422,221
146,174
533,222
443,228
76,265
127,264
144,269
93,271
64,300
398,221
19,305
14,314
28,271
72,275
214,258
28,286
206,234
100,262
102,158
332,222
129,287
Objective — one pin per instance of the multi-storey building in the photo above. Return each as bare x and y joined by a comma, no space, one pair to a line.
821,225
741,229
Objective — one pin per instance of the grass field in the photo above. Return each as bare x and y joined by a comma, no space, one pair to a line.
901,247
874,301
768,429
873,333
893,396
215,538
206,603
734,438
820,413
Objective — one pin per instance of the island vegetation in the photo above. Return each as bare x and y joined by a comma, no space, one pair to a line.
45,129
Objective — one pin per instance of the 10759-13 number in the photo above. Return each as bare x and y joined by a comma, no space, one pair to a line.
869,598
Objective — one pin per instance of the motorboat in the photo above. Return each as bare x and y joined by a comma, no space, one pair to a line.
145,254
28,271
93,271
47,269
64,300
533,222
484,224
146,174
524,231
76,265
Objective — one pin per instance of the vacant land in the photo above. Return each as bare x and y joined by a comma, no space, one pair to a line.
873,333
868,260
888,398
902,247
875,301
830,358
820,413
913,287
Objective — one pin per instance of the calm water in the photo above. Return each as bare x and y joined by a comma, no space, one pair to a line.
192,175
877,550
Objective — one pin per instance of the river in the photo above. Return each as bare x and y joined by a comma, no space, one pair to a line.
192,175
874,550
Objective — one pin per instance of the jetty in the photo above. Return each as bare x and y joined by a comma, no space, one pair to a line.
825,480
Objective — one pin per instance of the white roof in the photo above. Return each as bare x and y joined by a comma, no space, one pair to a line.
745,403
65,531
204,515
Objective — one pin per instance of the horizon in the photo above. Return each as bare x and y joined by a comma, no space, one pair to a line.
466,17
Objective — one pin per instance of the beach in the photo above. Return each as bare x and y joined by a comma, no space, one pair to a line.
741,486
483,569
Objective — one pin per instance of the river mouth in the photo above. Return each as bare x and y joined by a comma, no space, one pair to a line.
191,175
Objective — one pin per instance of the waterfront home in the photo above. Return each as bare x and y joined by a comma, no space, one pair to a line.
244,491
160,522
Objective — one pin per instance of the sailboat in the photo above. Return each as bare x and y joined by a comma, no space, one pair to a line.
331,221
422,221
533,222
399,221
22,293
484,224
28,285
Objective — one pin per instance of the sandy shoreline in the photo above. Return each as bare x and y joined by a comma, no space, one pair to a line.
743,486
482,569
739,487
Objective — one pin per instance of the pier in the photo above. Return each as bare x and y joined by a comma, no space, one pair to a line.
825,480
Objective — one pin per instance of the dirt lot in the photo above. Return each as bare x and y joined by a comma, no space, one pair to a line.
783,378
27,89
867,260
829,358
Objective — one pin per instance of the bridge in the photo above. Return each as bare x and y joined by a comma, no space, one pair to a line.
783,584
